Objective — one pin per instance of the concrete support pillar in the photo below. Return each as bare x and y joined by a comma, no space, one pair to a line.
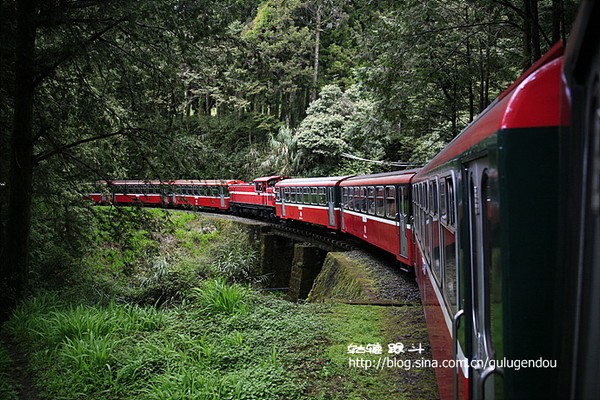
306,265
277,253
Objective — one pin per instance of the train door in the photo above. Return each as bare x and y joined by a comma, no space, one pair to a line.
222,190
480,210
402,219
342,205
331,206
282,192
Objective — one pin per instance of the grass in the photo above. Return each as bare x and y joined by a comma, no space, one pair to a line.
243,348
181,320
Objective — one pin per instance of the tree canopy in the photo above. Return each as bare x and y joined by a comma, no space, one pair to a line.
97,90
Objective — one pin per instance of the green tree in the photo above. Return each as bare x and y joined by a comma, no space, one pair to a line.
337,123
83,72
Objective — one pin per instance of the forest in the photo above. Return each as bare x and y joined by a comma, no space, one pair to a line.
94,90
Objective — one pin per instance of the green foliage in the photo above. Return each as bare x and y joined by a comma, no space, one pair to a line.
8,388
336,123
216,296
236,257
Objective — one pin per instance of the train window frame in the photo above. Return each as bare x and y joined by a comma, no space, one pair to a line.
363,199
434,196
313,196
321,196
442,201
451,199
371,200
350,199
379,201
345,198
390,194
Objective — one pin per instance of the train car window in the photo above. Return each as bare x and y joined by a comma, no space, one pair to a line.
371,200
435,246
278,195
434,196
345,198
322,197
362,202
379,201
292,195
451,199
401,198
450,271
428,232
349,200
313,196
390,202
492,262
226,191
442,201
405,200
286,194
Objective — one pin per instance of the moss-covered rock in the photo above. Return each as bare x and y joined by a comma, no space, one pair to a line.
343,279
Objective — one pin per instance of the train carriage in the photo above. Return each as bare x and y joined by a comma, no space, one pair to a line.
376,209
581,217
137,192
209,193
485,221
311,200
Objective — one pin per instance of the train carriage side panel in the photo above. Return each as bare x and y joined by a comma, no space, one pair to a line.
503,171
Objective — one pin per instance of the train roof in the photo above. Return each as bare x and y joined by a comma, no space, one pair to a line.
270,178
179,182
318,181
532,101
384,178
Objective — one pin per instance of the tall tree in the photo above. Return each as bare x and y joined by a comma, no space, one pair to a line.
86,71
15,246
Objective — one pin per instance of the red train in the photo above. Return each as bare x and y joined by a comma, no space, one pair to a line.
501,229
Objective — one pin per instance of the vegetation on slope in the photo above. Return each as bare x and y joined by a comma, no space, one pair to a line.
167,309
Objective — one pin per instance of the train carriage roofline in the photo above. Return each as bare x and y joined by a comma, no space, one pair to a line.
532,101
205,182
384,178
270,178
320,181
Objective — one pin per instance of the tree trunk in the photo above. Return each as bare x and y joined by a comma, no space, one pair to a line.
536,45
313,95
14,257
526,34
